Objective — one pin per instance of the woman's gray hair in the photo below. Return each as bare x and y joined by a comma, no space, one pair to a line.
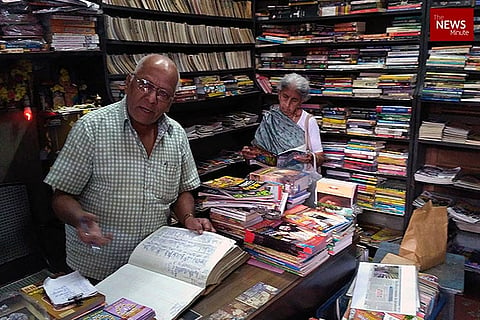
296,82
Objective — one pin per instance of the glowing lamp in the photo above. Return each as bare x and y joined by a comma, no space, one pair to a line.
27,113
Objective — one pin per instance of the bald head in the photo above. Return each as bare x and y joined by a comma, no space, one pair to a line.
158,63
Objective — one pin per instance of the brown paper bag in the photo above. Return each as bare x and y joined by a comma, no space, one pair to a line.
425,240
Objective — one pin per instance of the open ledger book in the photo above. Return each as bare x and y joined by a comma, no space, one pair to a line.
172,267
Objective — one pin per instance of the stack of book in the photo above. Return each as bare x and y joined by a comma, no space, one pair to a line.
405,28
67,297
334,153
263,82
473,57
398,86
361,121
403,57
367,188
448,57
334,119
443,86
437,199
186,91
392,161
288,246
367,6
362,155
336,222
304,237
338,86
471,90
293,182
342,58
73,32
345,31
390,197
236,203
455,133
316,58
21,31
220,161
398,5
372,57
393,121
431,130
469,181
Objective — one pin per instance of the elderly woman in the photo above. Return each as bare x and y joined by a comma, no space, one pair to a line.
287,126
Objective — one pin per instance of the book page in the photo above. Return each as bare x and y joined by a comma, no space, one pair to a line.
166,295
181,253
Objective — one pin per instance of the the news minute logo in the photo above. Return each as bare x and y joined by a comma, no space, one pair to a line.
451,24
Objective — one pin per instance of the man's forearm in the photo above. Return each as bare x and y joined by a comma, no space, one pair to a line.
184,207
66,207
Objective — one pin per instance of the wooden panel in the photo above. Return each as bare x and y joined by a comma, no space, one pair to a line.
469,160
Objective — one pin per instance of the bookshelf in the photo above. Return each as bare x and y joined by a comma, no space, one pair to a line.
447,121
363,70
212,44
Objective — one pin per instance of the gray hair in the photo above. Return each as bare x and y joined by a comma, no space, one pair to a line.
296,82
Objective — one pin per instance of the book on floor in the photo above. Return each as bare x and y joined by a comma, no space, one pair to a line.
172,267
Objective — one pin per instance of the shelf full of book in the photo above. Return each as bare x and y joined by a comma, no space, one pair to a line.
212,44
362,67
445,165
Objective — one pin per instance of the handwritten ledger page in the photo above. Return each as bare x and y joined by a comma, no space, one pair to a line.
167,270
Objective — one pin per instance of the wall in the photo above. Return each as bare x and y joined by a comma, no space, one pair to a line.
20,164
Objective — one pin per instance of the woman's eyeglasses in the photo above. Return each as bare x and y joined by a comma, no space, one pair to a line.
148,87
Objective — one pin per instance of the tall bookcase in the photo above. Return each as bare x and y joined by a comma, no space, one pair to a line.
205,42
339,65
449,100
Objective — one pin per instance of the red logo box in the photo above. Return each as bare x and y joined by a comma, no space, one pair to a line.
451,24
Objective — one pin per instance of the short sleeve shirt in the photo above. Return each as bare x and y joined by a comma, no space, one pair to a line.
104,164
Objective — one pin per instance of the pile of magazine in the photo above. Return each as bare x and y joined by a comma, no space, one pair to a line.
469,181
436,174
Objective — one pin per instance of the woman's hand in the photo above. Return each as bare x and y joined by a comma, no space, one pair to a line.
305,158
249,152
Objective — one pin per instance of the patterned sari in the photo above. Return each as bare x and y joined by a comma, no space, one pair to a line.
278,133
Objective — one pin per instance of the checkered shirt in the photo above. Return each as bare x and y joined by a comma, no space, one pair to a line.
105,164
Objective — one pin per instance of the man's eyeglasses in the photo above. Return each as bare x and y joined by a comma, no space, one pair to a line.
148,87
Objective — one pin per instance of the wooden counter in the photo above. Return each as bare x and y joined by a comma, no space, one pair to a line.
299,297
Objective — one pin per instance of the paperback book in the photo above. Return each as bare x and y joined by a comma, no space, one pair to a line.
286,237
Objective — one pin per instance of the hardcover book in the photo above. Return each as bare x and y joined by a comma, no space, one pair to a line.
172,267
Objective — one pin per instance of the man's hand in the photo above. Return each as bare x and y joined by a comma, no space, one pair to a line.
198,224
89,231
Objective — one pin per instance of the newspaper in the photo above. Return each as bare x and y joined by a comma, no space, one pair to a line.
386,288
